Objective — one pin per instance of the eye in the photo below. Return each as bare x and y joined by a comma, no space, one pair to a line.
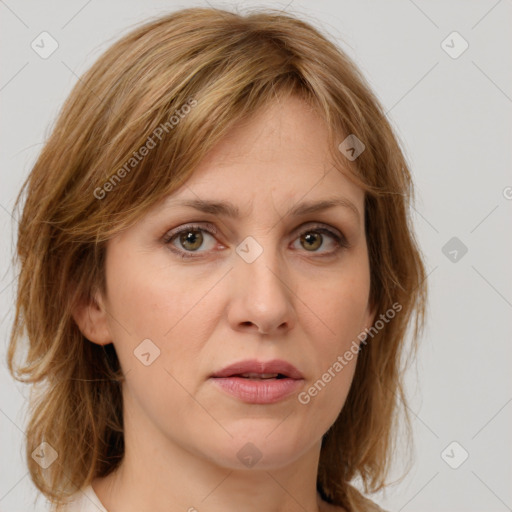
187,241
314,239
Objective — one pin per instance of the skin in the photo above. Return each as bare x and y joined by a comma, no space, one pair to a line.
182,433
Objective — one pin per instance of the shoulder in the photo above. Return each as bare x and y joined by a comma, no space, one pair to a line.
84,500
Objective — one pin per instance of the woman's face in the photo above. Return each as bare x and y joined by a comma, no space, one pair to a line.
251,280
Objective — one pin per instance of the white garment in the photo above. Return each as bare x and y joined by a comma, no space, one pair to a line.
85,501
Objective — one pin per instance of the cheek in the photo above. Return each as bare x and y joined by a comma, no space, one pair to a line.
144,299
339,306
149,302
153,301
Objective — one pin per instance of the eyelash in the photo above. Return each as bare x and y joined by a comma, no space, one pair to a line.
341,241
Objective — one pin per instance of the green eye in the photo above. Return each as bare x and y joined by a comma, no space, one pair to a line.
192,241
311,240
189,239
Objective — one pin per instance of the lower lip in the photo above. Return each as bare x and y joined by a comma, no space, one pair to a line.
264,391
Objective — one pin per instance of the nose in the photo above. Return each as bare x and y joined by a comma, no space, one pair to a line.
262,296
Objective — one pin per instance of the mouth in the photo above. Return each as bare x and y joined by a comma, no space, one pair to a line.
260,370
261,376
257,382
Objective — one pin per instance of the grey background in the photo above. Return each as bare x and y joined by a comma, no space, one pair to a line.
454,119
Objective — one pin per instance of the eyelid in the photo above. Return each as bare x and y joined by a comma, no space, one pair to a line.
213,230
322,227
338,236
190,225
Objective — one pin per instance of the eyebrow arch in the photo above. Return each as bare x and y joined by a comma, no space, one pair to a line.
228,209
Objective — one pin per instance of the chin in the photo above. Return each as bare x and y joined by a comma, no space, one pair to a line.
259,450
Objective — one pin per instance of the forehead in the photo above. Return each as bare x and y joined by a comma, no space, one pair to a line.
280,151
286,130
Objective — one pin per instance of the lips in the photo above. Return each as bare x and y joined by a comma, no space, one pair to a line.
264,370
259,382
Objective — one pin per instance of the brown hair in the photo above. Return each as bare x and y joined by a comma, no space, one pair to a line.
225,66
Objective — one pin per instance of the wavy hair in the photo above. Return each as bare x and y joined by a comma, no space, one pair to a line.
87,185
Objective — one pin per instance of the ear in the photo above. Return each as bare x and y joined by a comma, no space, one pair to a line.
91,318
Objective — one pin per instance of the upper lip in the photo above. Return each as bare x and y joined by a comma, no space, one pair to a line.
255,366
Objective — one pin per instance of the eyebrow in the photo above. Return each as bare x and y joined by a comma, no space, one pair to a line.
228,209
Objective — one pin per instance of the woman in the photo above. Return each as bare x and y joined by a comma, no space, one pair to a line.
217,271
